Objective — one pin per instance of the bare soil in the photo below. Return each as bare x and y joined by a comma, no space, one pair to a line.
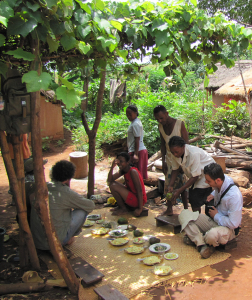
233,282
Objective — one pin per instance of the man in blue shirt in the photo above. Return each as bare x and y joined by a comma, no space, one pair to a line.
208,232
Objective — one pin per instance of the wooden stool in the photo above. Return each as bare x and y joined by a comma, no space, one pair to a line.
108,292
169,220
88,274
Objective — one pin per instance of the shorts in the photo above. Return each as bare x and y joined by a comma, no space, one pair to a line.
197,196
132,200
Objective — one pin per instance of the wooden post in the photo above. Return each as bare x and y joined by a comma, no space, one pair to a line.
41,191
22,215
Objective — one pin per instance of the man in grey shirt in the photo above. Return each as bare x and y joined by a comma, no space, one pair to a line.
68,209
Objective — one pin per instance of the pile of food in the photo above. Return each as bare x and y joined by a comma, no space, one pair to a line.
138,240
119,241
100,231
151,260
162,270
134,250
88,223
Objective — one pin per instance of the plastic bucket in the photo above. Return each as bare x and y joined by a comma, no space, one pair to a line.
2,233
80,160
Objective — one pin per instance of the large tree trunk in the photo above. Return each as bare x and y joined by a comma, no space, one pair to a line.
22,215
239,163
92,135
41,191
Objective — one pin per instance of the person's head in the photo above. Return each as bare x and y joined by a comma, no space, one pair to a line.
160,114
123,161
132,112
63,171
177,146
214,175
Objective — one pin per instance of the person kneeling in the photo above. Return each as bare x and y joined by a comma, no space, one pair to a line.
68,209
132,195
222,224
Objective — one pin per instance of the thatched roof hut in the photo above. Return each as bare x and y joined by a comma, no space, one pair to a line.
235,86
223,75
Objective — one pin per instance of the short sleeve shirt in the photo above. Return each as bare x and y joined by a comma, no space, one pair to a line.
193,163
135,130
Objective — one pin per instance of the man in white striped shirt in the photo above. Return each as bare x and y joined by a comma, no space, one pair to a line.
221,226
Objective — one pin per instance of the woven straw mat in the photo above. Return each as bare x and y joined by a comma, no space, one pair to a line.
122,270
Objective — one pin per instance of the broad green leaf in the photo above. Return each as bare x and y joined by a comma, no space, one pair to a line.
84,30
68,3
3,69
53,45
137,21
162,27
207,60
20,26
4,21
68,42
84,6
162,38
99,4
57,27
51,3
122,53
112,47
149,7
42,32
104,24
35,83
186,16
69,97
32,7
165,50
2,40
81,17
69,26
83,47
68,84
117,25
20,53
247,32
5,10
194,2
206,81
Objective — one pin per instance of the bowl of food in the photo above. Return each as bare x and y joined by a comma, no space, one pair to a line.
94,217
134,250
138,240
162,270
99,221
119,242
171,256
159,248
151,260
100,231
88,223
118,233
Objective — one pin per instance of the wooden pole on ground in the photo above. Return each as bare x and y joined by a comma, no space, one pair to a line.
22,215
41,191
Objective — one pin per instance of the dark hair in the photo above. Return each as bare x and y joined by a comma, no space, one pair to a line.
159,108
63,170
133,108
215,171
176,141
125,155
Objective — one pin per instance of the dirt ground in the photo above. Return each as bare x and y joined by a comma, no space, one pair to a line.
232,282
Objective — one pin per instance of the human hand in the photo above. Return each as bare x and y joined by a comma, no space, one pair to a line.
209,198
176,194
135,158
212,211
137,212
169,189
114,163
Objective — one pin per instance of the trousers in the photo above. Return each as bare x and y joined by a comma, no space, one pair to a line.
206,231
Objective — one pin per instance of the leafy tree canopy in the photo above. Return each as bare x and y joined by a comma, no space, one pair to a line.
239,10
74,32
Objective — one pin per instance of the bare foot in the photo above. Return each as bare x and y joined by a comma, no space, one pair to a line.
115,208
119,212
167,212
70,241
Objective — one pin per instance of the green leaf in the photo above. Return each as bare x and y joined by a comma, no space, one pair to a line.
122,53
206,81
69,97
186,16
57,27
84,30
68,84
68,42
99,4
35,83
53,45
149,7
84,48
4,21
20,26
247,32
51,3
104,24
32,7
81,17
165,50
194,2
5,10
3,69
2,40
20,53
162,38
84,7
117,25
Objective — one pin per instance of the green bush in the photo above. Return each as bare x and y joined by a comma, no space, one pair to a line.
232,119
